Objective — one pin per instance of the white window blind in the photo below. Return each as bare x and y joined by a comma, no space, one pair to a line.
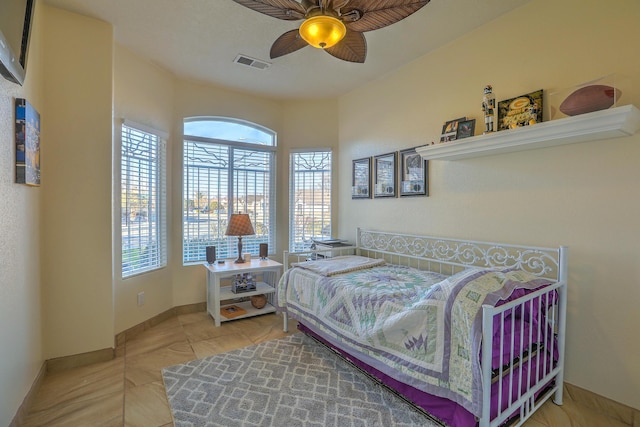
309,198
142,200
233,173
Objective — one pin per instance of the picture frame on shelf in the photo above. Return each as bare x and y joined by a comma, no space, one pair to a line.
450,130
466,129
361,178
414,173
385,172
523,110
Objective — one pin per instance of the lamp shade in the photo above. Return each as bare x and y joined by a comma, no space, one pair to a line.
322,31
239,225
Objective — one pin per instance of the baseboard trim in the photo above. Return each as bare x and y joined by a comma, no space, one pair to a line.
623,413
104,355
122,337
23,410
77,360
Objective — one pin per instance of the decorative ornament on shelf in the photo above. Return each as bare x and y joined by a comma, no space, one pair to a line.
258,301
589,99
523,110
488,107
600,94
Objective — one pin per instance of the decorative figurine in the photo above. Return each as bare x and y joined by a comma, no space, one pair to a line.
488,107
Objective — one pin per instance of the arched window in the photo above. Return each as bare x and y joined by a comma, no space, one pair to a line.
228,167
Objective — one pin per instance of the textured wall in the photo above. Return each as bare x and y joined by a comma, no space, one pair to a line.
76,221
21,354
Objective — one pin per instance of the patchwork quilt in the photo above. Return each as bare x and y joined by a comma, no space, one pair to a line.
419,327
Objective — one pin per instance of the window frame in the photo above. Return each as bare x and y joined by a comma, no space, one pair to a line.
159,226
293,245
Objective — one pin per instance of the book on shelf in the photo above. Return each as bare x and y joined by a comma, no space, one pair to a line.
231,311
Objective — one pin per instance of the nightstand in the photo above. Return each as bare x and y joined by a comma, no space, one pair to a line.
220,278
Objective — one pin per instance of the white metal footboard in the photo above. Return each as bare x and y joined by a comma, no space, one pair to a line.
534,369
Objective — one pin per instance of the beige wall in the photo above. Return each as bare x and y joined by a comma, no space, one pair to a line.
21,352
307,124
143,93
581,195
76,184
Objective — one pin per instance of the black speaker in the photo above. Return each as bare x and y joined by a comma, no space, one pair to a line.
211,254
264,250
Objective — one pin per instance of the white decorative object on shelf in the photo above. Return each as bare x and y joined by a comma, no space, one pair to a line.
604,124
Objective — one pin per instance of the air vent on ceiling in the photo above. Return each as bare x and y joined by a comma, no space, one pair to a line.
251,62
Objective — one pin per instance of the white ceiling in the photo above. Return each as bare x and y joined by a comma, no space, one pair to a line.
199,40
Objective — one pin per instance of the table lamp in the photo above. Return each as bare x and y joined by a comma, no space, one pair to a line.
239,225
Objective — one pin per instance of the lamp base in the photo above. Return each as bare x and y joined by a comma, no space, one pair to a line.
240,260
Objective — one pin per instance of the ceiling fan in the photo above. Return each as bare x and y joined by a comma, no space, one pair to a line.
333,25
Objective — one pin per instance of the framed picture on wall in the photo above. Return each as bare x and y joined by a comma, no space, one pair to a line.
385,172
414,174
361,179
27,127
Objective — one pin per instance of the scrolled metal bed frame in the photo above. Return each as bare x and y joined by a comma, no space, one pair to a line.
449,256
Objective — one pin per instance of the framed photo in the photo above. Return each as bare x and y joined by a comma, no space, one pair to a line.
520,111
385,166
450,130
27,127
466,129
361,179
414,174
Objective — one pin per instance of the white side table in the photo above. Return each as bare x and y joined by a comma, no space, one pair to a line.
267,272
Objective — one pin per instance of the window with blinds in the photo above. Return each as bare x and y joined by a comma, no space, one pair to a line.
309,198
142,200
228,167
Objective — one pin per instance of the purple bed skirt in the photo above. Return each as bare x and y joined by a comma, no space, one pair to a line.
443,410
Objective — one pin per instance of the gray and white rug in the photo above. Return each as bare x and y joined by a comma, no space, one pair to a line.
293,381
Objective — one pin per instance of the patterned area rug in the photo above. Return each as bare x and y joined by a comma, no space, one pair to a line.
293,381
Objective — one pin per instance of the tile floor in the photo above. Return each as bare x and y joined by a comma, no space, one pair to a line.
128,390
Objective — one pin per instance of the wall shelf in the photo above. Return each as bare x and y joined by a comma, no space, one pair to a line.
604,124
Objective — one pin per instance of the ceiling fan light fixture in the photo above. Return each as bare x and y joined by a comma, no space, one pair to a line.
322,31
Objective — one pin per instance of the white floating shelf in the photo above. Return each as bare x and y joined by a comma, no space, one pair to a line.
604,124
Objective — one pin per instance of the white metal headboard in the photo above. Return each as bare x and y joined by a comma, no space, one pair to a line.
451,255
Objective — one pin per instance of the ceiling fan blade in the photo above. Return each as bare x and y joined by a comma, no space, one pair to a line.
310,3
379,14
339,4
352,48
289,10
287,43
